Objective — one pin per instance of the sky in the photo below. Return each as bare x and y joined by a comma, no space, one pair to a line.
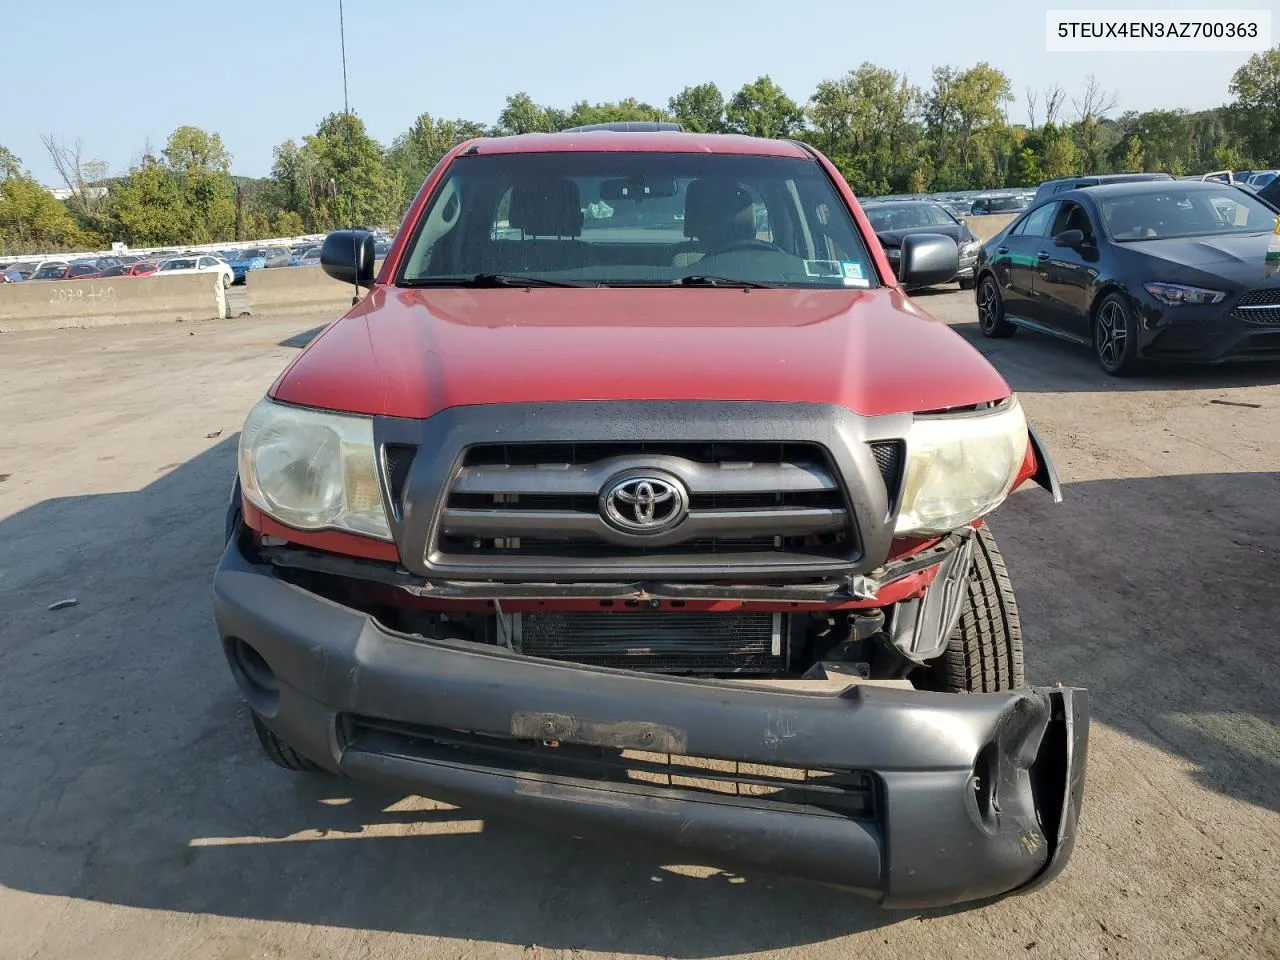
258,73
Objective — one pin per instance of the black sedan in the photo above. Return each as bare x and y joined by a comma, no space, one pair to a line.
1165,270
894,219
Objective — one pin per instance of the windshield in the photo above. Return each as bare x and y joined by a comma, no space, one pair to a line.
51,271
250,254
904,216
178,265
1185,212
647,219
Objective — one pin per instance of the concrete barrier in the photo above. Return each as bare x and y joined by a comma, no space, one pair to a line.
988,225
54,304
294,289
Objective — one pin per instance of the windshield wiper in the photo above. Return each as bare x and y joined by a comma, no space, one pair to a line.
484,280
702,280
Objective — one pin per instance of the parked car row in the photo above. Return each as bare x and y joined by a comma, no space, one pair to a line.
231,263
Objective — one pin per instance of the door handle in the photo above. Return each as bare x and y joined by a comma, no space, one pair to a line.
1002,249
1042,256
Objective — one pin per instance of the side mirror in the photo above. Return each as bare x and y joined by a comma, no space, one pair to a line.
347,256
1069,238
928,258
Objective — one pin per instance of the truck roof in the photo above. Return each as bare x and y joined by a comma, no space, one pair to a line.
611,141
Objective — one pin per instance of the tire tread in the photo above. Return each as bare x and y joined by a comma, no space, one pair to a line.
984,654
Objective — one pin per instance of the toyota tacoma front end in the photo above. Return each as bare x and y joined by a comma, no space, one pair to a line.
608,505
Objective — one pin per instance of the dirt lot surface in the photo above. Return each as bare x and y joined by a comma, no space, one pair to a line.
138,820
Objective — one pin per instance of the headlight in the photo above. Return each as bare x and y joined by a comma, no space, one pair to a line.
1175,294
970,247
312,470
960,468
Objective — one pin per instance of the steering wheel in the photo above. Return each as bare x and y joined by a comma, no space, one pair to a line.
752,243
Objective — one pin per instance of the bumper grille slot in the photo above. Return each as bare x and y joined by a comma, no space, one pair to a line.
1259,306
847,793
542,502
657,642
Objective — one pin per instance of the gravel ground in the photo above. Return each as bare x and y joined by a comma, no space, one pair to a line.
137,818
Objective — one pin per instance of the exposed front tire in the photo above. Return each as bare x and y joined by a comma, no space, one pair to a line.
991,319
966,283
280,753
984,654
226,281
1115,337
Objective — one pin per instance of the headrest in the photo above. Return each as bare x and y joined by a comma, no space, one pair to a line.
718,210
546,208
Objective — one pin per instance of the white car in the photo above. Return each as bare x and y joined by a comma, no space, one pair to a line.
198,263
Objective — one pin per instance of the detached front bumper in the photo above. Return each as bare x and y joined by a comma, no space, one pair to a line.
924,799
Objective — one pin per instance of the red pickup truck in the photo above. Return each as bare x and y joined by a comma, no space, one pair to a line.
636,495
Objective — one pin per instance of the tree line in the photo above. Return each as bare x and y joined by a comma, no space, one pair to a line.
885,134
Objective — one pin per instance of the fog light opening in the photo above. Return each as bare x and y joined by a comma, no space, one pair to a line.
256,679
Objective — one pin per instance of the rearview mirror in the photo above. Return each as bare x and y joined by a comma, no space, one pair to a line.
638,188
347,256
928,258
1069,238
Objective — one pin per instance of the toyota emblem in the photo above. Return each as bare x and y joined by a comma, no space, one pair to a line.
644,504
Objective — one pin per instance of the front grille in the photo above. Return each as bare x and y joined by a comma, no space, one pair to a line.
542,502
888,454
827,792
1259,306
658,642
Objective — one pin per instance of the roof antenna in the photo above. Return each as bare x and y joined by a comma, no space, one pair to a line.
346,114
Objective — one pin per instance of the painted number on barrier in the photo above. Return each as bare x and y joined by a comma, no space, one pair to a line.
78,294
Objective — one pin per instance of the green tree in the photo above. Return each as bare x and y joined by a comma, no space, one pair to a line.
1134,158
191,150
1060,158
522,115
1256,89
148,208
416,151
964,122
1025,169
31,220
289,224
864,122
700,108
761,109
630,109
354,185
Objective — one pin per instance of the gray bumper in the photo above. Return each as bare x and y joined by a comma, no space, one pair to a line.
969,796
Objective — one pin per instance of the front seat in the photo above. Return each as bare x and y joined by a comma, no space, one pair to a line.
717,215
548,212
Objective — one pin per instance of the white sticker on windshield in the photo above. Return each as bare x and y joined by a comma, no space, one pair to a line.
852,272
823,268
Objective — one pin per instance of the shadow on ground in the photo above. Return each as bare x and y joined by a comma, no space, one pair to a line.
303,339
132,777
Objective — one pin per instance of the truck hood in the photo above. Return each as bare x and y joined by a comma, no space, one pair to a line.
411,353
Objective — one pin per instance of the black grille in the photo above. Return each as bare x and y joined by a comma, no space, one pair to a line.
828,792
1259,306
541,502
534,454
657,641
888,454
398,458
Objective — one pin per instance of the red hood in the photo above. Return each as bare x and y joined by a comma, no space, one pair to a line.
411,353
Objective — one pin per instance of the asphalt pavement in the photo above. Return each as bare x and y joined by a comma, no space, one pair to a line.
138,819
